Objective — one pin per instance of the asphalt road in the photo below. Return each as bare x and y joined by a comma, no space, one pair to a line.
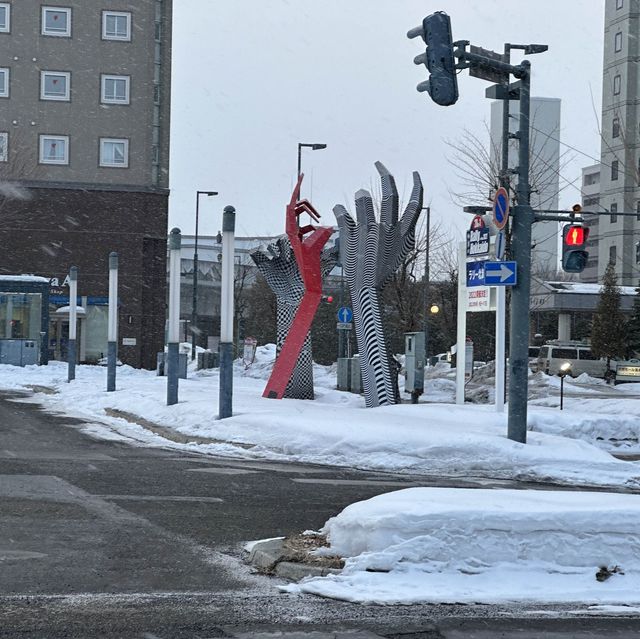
105,539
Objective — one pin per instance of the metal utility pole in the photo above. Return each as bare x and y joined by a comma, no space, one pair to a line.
521,252
173,337
226,314
73,323
112,329
425,300
443,89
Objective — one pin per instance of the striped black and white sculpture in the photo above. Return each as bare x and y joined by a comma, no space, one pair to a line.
372,251
279,268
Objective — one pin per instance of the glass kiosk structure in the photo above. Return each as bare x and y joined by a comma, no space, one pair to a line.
24,320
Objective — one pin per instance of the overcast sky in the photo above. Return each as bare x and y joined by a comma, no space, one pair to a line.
252,78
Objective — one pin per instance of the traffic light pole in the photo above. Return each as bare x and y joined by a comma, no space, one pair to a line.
523,218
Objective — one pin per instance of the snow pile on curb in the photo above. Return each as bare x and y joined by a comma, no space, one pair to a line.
464,545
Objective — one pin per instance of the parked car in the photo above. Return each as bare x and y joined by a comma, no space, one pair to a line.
582,360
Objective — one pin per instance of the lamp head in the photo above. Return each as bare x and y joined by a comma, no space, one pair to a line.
565,369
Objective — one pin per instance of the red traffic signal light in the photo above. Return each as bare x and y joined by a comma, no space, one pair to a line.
327,298
575,235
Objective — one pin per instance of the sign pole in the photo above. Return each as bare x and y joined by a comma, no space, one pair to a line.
501,304
462,324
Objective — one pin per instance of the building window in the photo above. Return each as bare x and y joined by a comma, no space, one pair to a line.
114,152
617,42
613,254
116,25
591,178
56,21
614,170
4,83
615,128
619,4
617,83
115,89
55,85
613,209
5,17
54,149
638,210
4,146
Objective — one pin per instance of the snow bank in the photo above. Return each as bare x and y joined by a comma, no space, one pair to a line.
464,545
432,439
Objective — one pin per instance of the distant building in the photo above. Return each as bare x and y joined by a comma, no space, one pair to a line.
208,285
84,161
590,196
620,154
544,171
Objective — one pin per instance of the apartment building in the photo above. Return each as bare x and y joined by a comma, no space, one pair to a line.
620,150
84,161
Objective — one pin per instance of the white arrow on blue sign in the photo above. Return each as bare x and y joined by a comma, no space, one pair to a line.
500,273
345,314
475,273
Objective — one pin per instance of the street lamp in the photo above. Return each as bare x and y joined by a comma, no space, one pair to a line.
565,369
194,301
313,147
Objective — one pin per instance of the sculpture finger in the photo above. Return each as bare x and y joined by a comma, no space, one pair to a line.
389,208
259,257
344,219
414,207
364,208
284,248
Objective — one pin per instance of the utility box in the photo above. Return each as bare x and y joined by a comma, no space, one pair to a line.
207,359
356,375
161,366
414,363
19,352
344,373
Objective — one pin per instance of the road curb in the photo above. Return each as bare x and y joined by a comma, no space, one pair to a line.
271,557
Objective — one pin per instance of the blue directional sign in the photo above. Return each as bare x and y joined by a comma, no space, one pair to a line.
500,273
345,314
475,274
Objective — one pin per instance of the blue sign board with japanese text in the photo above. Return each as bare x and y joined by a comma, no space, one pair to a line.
475,273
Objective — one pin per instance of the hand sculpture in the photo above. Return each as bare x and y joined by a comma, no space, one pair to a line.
372,252
280,269
298,287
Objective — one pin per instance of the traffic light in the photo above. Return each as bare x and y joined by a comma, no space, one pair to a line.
442,84
574,253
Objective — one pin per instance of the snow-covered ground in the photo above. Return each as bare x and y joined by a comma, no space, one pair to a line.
435,438
485,546
422,544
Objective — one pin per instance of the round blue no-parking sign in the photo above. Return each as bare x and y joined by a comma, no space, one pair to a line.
501,208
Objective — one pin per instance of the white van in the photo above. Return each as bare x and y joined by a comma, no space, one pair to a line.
582,360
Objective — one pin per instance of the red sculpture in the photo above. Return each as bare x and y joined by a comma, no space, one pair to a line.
307,243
